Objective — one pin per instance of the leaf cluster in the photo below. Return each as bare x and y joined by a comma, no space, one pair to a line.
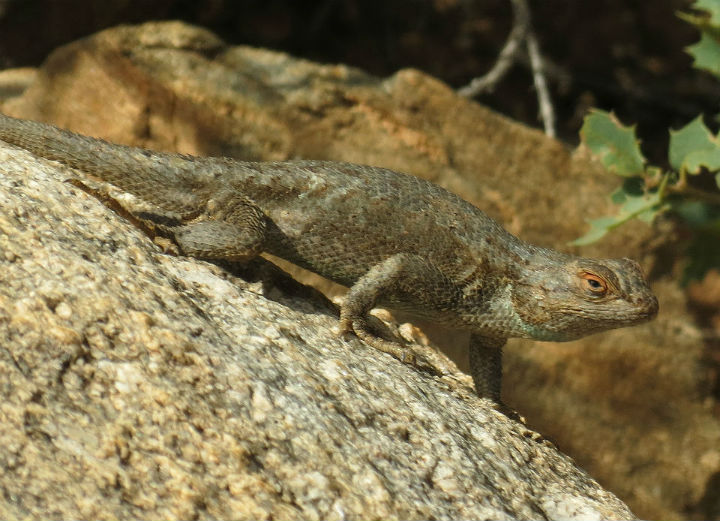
694,154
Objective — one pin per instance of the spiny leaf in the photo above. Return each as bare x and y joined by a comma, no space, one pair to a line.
712,7
614,143
694,147
706,53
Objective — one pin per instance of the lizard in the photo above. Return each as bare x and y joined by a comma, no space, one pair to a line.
395,240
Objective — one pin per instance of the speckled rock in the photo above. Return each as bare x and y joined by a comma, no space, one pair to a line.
135,384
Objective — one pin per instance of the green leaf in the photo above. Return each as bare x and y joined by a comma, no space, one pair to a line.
717,179
648,216
598,229
694,147
618,196
706,18
614,143
631,187
706,53
697,20
645,207
712,7
637,204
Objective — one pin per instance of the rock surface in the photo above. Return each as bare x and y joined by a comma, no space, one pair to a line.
632,406
140,385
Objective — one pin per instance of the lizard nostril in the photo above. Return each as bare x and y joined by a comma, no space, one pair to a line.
650,304
646,304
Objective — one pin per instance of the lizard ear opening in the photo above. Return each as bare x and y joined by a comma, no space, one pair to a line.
593,284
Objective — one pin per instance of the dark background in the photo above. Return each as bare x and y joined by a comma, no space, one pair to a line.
623,55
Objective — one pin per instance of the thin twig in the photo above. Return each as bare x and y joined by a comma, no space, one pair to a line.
547,112
520,34
508,54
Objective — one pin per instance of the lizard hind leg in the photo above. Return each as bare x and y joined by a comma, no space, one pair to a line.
235,233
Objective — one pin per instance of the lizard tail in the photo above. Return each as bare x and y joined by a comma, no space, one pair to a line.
173,182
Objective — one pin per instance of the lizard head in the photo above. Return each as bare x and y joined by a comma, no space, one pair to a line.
579,297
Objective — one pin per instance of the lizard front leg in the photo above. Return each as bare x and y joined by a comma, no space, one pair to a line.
401,277
486,365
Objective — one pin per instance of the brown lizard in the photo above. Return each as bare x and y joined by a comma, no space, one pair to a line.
395,240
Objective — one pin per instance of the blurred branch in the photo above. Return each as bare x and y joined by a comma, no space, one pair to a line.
547,112
521,33
508,54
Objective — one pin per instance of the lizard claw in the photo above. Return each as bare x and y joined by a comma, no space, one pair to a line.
511,413
346,327
408,357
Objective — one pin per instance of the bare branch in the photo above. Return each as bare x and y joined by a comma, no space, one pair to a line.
508,54
547,112
511,52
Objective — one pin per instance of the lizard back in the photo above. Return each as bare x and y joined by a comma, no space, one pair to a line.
338,219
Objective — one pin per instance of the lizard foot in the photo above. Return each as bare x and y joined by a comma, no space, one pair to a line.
511,413
360,328
526,431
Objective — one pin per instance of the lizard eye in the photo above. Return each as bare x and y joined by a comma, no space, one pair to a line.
594,284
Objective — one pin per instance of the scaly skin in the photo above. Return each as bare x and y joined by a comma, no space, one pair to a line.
395,240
